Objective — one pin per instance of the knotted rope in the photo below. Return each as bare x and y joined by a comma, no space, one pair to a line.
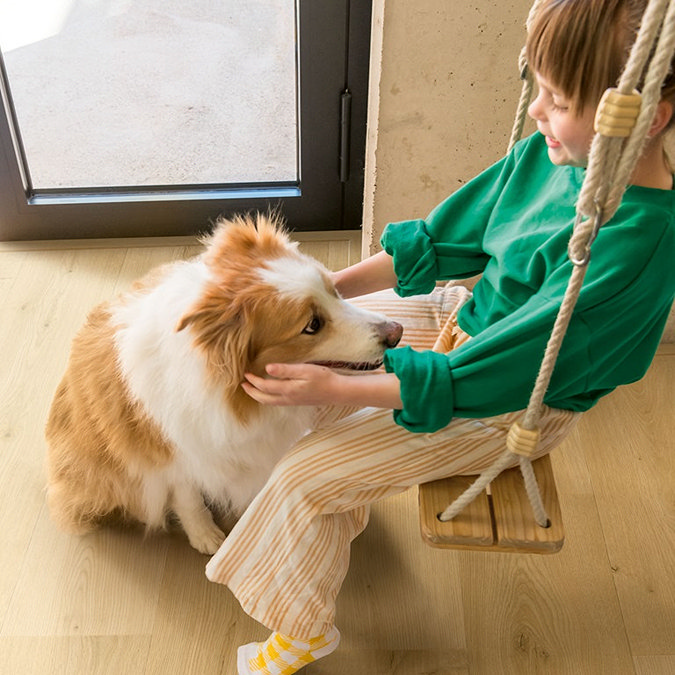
622,124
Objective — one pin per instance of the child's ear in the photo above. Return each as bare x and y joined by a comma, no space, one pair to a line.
664,112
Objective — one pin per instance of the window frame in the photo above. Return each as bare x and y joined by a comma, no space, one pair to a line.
332,59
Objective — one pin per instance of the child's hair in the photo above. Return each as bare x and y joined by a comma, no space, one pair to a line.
581,46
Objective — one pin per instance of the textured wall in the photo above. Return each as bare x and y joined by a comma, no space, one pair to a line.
447,77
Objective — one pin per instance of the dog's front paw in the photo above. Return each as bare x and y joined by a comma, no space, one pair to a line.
207,540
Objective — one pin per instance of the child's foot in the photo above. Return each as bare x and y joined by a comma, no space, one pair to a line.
284,655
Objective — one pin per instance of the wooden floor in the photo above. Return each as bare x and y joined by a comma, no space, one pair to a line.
116,603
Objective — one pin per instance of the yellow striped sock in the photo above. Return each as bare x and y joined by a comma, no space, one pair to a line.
284,655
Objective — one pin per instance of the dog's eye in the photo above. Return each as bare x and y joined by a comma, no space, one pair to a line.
314,326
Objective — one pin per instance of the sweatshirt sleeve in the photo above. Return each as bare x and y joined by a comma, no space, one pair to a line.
448,244
491,374
611,340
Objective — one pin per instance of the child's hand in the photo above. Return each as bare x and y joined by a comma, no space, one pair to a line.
308,384
294,384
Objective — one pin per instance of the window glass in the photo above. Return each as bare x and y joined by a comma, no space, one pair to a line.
153,92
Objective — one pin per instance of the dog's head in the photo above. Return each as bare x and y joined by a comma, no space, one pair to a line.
266,302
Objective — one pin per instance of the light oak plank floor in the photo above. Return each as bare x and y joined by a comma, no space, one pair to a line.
116,602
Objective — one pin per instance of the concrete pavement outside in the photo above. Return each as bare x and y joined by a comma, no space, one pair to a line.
146,92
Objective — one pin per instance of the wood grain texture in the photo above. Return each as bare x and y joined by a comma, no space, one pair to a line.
473,527
116,601
514,520
499,519
634,485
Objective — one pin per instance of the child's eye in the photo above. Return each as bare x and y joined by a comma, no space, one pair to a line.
557,107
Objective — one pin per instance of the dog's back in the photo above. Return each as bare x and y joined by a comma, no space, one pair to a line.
94,431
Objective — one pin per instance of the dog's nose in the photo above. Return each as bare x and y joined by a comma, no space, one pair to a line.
391,333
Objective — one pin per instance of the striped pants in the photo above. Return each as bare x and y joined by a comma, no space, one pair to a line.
286,558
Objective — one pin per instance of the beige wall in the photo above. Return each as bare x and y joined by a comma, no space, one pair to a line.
444,89
443,94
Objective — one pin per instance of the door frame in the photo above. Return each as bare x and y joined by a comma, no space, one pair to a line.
332,59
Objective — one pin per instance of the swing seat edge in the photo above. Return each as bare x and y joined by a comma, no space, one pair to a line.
499,521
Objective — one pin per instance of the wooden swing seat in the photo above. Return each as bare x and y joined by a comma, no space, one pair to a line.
498,520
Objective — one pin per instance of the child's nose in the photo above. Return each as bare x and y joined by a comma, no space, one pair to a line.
535,109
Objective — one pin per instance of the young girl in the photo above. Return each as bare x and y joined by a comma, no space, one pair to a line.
286,558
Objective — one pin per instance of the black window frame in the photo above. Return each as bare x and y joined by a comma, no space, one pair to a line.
332,57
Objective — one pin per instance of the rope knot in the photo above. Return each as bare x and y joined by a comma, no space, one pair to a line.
617,113
584,234
521,441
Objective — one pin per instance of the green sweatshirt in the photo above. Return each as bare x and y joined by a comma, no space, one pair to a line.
512,223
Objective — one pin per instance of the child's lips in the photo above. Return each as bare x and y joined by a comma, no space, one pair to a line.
552,143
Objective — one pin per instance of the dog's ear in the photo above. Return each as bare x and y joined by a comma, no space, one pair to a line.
193,316
215,308
223,335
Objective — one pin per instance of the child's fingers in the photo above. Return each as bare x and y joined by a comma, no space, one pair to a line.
288,371
262,389
288,384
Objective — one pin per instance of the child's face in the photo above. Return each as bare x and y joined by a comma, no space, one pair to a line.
568,136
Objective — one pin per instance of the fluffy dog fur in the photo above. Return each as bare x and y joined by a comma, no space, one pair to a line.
150,418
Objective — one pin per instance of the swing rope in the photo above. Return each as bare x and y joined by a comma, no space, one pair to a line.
622,123
528,85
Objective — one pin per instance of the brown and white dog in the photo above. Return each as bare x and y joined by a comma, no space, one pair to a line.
150,418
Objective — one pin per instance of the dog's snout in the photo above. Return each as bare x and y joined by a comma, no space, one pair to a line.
390,333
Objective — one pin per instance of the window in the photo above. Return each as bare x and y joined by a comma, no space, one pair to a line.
153,117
